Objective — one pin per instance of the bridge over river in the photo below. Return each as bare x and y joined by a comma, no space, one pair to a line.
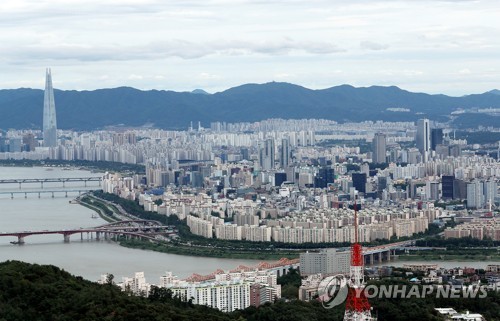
41,181
143,229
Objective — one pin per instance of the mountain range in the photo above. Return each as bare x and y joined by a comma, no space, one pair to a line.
125,106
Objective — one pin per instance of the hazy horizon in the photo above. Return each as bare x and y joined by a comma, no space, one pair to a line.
264,83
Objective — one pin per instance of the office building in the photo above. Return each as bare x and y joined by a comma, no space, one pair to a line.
266,154
379,148
447,186
359,182
279,178
326,262
436,137
285,153
325,176
423,138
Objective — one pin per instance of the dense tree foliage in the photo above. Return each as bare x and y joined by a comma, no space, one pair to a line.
43,292
290,284
34,292
457,243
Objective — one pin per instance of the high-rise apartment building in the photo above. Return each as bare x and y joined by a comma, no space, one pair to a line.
379,148
49,114
475,195
424,138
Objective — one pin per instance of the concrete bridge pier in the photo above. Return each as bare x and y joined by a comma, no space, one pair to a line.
20,240
66,238
25,195
52,194
81,236
12,195
38,194
41,184
66,194
97,235
19,185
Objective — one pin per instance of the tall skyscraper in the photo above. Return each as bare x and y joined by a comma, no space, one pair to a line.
424,138
284,153
49,114
436,137
266,154
379,148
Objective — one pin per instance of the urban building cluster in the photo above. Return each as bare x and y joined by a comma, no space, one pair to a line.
226,291
318,226
282,180
477,228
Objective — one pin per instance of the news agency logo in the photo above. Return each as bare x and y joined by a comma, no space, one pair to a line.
332,291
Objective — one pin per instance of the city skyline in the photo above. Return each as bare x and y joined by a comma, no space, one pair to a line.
451,48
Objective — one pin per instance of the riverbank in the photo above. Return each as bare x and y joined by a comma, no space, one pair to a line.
104,212
179,249
96,166
450,257
111,213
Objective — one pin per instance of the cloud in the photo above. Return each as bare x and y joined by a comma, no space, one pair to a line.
370,45
189,42
208,76
165,49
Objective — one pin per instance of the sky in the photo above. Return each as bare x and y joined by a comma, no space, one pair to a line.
450,47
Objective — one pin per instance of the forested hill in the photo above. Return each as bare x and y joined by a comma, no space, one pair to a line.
46,293
35,292
85,110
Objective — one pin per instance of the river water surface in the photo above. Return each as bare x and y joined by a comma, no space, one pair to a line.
87,258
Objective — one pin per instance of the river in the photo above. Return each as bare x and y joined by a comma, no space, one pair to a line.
87,258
